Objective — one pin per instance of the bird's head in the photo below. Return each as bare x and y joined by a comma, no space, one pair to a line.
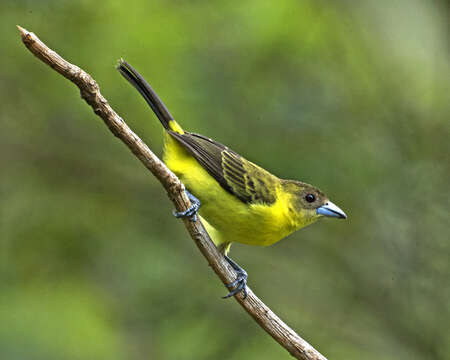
308,203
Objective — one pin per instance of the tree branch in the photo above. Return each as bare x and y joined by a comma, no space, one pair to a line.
90,92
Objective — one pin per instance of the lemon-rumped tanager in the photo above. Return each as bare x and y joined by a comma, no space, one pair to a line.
240,201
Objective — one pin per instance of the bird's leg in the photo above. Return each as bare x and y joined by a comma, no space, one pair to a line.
193,209
241,279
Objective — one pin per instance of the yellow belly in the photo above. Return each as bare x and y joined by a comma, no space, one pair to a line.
232,219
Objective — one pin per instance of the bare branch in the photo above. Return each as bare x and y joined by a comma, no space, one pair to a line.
90,92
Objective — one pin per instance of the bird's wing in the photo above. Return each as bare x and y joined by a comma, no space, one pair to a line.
245,180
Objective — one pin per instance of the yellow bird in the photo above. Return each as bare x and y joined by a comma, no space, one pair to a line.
240,201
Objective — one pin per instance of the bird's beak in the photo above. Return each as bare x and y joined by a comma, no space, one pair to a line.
331,210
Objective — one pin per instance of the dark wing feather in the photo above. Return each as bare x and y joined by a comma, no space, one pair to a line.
245,180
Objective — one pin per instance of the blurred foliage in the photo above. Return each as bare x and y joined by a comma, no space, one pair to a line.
350,96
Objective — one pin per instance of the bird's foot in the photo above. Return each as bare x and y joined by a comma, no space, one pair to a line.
193,209
241,280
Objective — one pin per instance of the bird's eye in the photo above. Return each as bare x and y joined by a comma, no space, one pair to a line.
310,198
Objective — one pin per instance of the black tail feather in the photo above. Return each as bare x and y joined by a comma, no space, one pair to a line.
144,88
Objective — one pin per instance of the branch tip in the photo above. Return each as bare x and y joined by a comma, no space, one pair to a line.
22,31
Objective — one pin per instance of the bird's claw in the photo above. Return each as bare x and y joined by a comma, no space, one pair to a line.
192,211
240,283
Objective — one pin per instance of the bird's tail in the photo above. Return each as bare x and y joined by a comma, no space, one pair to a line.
144,88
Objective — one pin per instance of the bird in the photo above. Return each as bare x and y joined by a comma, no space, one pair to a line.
236,200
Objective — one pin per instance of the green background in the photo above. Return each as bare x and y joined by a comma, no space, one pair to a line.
352,97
